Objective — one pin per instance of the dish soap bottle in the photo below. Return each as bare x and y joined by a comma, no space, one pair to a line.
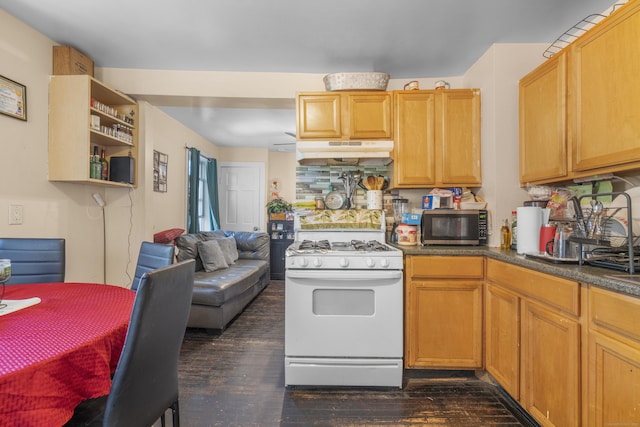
505,235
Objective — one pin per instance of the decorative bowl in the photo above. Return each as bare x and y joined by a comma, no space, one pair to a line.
356,81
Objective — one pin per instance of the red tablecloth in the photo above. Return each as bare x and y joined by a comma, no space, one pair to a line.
57,353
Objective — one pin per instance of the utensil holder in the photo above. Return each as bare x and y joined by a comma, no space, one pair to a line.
374,199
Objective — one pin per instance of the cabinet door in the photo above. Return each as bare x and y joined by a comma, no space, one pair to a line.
614,394
443,319
550,371
446,325
607,117
614,359
414,149
502,338
319,116
543,122
370,116
458,138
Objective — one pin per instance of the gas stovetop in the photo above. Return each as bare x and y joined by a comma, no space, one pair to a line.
324,246
343,255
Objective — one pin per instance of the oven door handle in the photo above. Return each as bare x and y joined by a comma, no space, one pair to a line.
351,275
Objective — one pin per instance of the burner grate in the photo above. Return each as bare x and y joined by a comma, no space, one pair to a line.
371,246
314,244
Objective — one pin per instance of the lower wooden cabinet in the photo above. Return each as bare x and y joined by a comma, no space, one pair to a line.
614,359
568,353
533,341
443,324
502,338
550,366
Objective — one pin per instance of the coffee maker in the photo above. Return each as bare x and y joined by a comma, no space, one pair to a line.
399,207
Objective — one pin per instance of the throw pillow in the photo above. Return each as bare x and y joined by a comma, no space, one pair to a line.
211,255
167,236
229,249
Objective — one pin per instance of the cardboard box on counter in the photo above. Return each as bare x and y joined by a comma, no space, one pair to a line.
67,60
411,218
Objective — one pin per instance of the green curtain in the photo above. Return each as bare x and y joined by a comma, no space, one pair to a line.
192,201
212,184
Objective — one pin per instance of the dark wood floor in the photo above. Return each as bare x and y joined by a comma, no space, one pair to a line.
237,379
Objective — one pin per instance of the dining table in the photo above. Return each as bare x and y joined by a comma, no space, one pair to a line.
59,351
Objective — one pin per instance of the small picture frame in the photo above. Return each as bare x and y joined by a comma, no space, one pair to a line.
13,99
160,161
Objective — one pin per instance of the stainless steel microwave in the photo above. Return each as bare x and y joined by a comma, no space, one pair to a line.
454,227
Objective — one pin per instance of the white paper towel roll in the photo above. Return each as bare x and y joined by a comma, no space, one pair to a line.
529,222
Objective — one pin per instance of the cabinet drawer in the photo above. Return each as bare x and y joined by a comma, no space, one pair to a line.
446,267
615,313
560,293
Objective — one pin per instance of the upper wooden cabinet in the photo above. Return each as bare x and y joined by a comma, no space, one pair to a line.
578,110
543,122
73,99
604,78
344,115
437,139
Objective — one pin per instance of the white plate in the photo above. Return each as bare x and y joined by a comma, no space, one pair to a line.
621,215
621,202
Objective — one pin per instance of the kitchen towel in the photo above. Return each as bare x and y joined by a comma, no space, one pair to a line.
528,232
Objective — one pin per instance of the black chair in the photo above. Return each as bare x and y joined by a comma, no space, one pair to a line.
145,383
151,257
34,260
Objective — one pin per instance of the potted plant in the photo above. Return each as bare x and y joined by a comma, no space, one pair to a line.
277,208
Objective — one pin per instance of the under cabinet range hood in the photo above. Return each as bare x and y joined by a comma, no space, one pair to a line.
344,153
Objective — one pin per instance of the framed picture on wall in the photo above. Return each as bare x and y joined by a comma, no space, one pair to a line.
13,99
160,161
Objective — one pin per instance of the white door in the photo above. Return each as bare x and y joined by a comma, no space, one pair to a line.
242,196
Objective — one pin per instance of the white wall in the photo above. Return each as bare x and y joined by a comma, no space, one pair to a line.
497,73
51,209
67,210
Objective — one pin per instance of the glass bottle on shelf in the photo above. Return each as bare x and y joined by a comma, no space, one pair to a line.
104,169
95,171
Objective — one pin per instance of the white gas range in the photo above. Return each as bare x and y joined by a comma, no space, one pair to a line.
343,304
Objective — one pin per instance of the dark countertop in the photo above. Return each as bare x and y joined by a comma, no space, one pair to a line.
596,276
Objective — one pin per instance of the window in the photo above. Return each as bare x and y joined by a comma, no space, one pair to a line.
202,190
204,205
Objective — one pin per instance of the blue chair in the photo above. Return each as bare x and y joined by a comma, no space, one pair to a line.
151,257
145,383
34,260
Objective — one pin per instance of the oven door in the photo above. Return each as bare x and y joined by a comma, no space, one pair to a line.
343,313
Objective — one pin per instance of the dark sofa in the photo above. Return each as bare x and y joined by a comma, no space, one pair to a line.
220,294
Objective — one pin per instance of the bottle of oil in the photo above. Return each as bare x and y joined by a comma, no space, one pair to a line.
505,235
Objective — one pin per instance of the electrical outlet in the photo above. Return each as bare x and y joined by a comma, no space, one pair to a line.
15,214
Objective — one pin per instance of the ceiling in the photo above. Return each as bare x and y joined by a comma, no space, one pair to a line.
405,38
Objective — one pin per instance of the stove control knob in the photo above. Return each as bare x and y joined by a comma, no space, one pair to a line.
302,262
384,262
343,262
317,262
370,262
